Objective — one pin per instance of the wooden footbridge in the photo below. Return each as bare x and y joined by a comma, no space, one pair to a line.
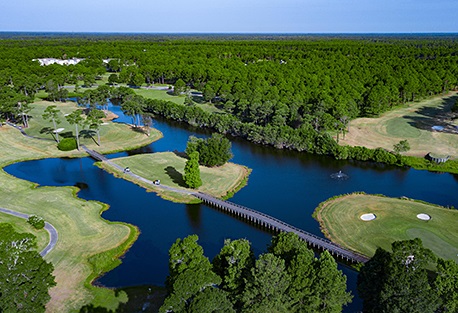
256,217
274,224
94,154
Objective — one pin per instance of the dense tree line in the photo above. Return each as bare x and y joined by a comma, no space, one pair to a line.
286,278
304,138
289,278
324,82
288,93
25,277
402,281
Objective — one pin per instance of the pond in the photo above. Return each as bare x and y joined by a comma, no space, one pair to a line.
284,184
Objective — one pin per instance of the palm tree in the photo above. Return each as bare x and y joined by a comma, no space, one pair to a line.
76,119
94,120
133,107
147,120
23,108
52,114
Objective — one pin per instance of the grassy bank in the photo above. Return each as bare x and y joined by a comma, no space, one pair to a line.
168,167
396,219
88,245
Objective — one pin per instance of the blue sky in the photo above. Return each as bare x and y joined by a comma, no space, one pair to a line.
234,16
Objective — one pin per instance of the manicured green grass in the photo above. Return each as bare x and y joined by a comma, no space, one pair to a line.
112,134
396,219
402,128
88,245
412,122
163,95
160,95
145,92
168,167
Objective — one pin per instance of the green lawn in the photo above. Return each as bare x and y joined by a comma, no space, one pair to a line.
147,93
412,122
396,219
402,128
88,244
160,95
164,95
112,134
168,167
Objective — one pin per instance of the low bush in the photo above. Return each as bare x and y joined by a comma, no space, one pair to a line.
36,222
67,144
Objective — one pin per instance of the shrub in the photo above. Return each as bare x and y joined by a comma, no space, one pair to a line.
67,144
36,222
402,146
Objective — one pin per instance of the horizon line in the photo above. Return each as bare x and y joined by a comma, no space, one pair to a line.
225,33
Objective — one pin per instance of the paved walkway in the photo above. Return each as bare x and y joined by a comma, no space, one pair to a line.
249,214
53,236
25,134
104,159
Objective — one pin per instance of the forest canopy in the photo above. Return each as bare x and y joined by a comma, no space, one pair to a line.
324,82
288,92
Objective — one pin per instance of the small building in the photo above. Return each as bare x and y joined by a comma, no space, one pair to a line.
437,159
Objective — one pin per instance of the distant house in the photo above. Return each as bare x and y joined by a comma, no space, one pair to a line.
72,61
49,61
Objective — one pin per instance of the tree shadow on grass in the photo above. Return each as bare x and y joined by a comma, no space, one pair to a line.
428,116
90,308
46,130
176,176
89,134
139,129
68,134
180,154
199,100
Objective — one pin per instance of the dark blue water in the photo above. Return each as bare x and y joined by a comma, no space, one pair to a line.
284,184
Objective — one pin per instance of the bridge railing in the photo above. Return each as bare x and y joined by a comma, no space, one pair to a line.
324,243
268,217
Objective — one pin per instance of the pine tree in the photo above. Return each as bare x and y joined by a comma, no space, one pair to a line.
398,281
192,171
25,277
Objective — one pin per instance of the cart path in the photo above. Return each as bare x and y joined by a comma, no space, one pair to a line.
53,236
250,215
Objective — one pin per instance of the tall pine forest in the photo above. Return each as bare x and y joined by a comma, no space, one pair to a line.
289,92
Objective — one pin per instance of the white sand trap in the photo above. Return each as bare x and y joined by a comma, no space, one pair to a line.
368,217
424,217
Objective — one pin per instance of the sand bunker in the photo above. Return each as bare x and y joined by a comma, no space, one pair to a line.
423,216
368,217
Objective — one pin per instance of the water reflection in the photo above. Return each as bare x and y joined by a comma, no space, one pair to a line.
285,184
194,213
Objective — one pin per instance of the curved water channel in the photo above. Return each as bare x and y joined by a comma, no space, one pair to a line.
283,184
